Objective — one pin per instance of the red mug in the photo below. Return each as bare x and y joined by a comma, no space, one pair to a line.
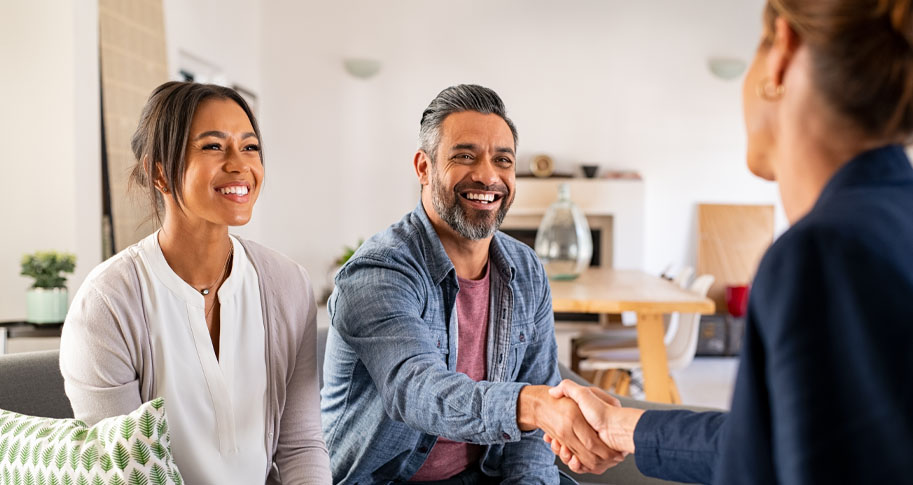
737,299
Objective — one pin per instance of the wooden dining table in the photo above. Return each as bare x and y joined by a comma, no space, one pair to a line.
606,290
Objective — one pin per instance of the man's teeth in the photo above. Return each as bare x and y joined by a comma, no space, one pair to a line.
234,189
481,197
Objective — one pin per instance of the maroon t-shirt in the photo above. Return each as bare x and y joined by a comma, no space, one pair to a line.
448,458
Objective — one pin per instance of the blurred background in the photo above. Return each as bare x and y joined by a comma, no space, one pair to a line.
339,87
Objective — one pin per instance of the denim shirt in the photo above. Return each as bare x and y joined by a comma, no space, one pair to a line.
390,382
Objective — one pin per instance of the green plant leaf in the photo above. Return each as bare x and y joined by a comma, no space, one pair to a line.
159,451
121,456
36,452
45,432
175,476
46,268
89,457
29,478
66,479
79,434
74,456
147,424
112,433
17,479
105,462
21,426
52,479
137,478
24,452
157,403
8,426
96,480
47,455
42,478
93,434
13,451
61,459
140,452
127,427
33,427
163,427
4,445
157,475
81,480
116,480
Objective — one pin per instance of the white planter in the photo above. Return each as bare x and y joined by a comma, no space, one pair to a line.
46,305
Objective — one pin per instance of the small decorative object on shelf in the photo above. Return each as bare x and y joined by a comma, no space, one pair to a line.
542,166
589,171
46,300
564,242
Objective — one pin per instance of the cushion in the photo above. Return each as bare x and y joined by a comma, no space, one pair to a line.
134,449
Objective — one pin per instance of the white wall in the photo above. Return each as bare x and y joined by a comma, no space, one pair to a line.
617,83
50,122
225,34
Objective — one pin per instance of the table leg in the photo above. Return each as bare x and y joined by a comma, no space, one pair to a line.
653,357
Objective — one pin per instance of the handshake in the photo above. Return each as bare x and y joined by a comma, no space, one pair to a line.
586,427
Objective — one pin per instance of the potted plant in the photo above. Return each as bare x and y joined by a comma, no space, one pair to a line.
46,300
347,253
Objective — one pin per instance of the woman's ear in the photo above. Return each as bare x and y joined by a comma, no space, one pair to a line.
159,178
785,44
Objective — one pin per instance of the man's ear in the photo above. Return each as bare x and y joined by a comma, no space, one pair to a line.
422,164
785,44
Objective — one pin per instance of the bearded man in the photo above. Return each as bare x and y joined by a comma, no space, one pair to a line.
442,347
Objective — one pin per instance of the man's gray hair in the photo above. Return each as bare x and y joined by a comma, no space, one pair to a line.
455,99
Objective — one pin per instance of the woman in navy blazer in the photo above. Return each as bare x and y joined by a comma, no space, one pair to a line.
824,392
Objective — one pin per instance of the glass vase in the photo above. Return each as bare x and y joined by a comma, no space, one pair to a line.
564,242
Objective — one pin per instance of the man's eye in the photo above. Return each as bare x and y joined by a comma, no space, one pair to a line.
252,148
212,146
505,161
463,157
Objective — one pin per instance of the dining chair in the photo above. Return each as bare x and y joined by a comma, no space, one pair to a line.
610,362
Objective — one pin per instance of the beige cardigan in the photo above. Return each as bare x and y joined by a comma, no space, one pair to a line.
106,356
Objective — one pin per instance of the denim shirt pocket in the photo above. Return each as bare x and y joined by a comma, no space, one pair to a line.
521,335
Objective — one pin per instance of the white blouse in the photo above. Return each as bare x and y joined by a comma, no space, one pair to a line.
216,407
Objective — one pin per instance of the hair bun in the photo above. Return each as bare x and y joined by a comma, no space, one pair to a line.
900,14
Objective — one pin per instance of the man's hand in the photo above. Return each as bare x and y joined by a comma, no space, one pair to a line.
560,417
614,425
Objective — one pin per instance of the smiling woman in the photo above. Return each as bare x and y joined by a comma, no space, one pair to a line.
182,314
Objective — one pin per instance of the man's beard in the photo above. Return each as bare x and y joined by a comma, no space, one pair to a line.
472,224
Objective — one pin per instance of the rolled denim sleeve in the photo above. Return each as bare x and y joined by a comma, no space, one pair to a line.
378,311
530,460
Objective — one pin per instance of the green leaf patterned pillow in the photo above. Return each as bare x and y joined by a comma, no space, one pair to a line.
124,450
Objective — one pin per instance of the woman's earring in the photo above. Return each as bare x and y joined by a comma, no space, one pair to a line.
769,91
164,189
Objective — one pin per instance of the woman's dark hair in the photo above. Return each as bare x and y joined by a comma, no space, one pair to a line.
862,58
161,136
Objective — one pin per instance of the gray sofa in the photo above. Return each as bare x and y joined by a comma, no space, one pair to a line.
30,383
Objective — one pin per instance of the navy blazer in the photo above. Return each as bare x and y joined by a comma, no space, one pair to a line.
824,392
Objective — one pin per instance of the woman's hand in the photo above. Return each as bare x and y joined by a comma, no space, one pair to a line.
613,424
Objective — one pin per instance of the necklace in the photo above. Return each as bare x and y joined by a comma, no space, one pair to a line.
205,291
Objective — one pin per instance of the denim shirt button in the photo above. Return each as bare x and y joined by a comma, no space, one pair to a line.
522,338
505,436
